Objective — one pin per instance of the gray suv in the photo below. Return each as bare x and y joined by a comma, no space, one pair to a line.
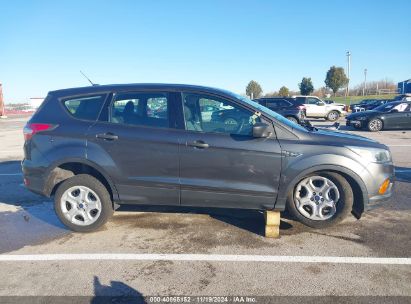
95,148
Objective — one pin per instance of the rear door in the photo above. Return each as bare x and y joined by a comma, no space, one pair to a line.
398,119
222,165
138,145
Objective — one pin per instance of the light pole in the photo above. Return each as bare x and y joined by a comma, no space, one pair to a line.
348,70
364,89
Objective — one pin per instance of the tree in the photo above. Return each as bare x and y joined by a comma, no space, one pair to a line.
306,86
253,89
284,92
336,79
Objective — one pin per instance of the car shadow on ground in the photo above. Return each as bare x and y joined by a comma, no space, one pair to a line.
250,220
116,292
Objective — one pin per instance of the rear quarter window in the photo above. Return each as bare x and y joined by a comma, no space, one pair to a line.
86,107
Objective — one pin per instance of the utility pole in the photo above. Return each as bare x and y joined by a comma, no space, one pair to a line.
348,70
364,89
2,113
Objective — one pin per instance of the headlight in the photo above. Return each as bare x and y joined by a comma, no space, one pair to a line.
373,155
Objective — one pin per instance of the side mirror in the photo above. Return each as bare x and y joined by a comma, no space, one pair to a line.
394,111
319,103
261,130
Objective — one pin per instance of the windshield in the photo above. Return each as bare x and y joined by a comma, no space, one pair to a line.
376,102
269,112
386,107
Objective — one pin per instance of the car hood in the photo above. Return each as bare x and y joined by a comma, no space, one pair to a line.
362,114
337,138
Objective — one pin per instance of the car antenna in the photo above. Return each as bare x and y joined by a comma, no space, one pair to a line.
93,84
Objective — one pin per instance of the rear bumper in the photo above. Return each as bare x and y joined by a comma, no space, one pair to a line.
33,177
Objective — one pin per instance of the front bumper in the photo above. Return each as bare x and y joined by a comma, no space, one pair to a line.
379,174
355,123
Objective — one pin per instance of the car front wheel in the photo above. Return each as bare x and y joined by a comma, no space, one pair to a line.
321,200
83,203
375,125
333,116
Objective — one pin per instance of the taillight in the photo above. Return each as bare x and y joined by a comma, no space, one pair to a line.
31,129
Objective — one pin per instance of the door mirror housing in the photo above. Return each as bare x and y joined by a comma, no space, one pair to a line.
261,130
319,103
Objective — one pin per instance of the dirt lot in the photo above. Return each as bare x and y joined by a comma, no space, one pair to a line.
28,226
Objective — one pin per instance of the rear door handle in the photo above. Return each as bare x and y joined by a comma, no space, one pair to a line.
198,144
107,136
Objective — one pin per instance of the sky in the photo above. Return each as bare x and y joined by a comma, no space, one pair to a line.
219,43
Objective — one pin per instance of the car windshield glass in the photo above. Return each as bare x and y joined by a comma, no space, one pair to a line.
386,107
269,112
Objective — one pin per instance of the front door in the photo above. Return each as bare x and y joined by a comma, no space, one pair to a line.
222,165
139,148
315,108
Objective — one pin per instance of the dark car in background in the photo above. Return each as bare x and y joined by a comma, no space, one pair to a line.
98,147
373,104
393,115
287,107
355,107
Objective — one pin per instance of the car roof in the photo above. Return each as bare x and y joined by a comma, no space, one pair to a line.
138,86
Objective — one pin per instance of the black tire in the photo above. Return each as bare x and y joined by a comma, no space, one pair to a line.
333,115
96,186
343,206
375,125
292,118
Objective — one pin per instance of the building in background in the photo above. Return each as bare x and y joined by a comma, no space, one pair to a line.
404,87
35,102
2,113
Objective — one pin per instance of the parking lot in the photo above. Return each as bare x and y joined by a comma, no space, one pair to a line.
212,242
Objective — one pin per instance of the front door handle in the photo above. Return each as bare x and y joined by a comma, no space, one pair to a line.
107,136
198,144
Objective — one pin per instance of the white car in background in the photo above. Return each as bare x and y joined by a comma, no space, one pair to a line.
316,108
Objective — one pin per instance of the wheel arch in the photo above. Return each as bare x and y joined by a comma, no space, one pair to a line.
64,169
359,189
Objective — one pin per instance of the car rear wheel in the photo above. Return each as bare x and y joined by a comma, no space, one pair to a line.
333,116
83,203
375,125
321,200
293,119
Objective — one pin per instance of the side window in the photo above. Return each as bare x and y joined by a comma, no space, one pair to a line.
312,101
87,107
301,100
401,107
281,103
141,109
272,104
263,102
205,113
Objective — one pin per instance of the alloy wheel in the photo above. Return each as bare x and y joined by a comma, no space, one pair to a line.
375,125
80,205
316,197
